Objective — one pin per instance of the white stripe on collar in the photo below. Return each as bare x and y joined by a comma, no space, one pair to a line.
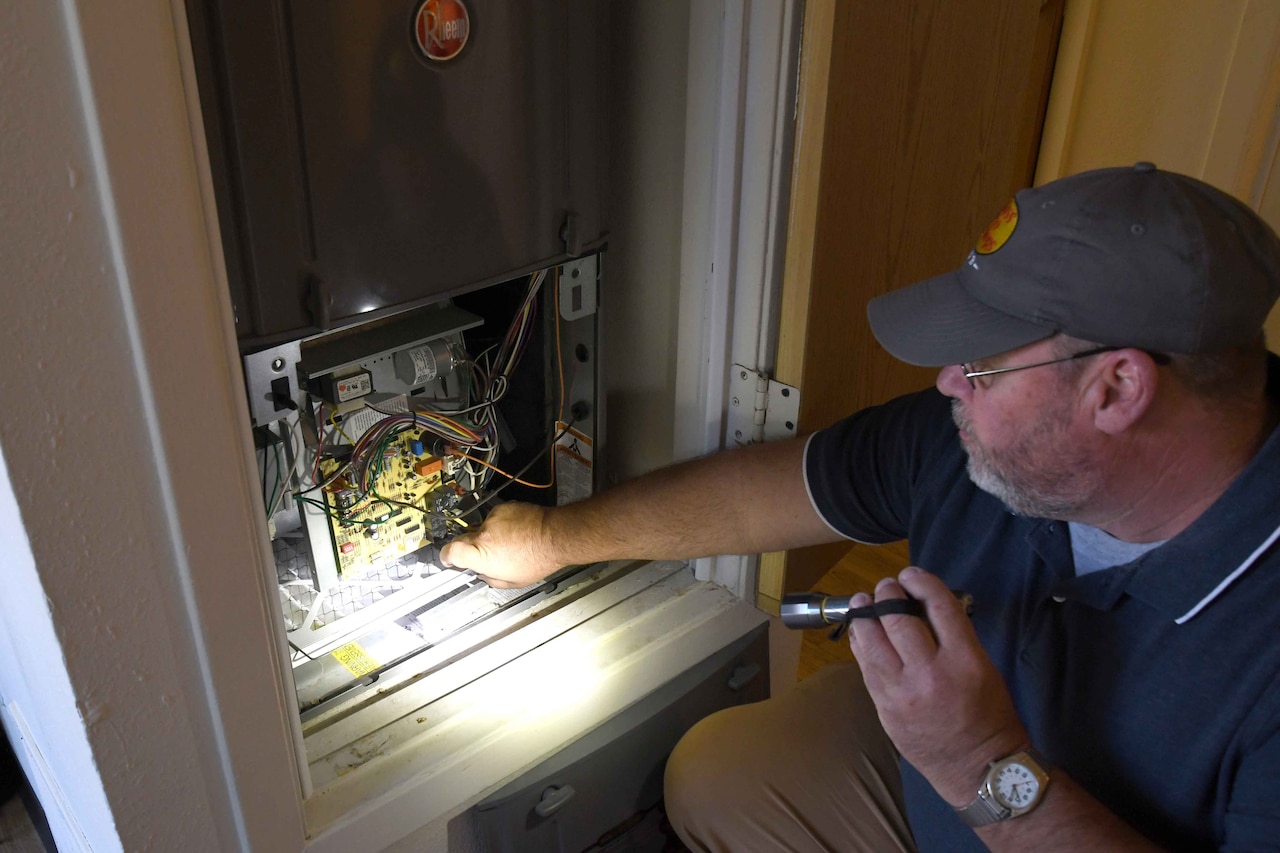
1230,579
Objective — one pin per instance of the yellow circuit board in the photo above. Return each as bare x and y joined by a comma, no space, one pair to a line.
368,532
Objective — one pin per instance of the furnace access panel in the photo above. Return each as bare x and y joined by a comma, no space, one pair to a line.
411,196
378,443
372,155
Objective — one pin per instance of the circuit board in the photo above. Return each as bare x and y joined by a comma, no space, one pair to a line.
400,513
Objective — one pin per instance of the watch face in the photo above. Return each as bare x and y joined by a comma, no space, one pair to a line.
1016,786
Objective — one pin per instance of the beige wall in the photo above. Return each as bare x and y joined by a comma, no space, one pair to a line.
642,266
1192,86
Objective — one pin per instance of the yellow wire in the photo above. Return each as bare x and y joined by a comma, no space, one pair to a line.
559,356
560,368
555,306
333,414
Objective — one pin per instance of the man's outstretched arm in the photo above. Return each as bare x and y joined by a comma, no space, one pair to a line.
737,502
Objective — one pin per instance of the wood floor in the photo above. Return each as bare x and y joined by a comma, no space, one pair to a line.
858,571
17,833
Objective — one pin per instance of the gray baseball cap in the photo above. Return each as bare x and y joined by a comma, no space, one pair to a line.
1127,256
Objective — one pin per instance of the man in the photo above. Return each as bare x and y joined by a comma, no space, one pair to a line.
1098,466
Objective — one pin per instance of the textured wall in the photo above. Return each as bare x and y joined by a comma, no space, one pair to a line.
71,420
125,477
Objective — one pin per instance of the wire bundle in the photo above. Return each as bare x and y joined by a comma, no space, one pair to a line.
490,378
470,434
520,330
371,450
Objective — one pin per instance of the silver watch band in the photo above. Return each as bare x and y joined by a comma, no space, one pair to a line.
981,812
984,810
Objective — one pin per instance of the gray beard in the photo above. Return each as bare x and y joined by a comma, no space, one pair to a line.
1038,477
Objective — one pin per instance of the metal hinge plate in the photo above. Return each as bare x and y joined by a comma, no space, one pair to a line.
760,408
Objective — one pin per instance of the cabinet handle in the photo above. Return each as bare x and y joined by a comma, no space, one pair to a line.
553,799
742,675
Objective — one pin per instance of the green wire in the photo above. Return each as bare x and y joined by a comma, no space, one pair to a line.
325,509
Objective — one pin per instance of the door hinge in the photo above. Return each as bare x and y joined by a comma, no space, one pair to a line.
760,408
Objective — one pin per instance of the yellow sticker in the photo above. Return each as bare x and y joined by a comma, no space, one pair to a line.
1000,229
355,659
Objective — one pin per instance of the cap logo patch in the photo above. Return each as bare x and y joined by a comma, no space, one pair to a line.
1000,229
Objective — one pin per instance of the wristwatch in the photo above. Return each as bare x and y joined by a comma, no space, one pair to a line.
1013,786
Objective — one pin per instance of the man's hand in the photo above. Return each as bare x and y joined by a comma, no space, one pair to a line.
509,550
939,696
738,502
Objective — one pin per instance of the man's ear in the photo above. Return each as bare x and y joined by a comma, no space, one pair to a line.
1123,390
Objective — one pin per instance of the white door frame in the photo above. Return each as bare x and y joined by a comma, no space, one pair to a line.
741,108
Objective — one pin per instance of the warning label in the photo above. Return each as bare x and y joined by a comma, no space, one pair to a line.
574,463
355,659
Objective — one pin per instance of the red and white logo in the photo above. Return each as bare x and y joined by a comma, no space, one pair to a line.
441,28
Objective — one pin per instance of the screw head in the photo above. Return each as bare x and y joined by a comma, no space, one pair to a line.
735,401
277,364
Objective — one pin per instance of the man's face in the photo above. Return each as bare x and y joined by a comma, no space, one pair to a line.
1019,431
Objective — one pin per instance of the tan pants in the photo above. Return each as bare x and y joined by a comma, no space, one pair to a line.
809,770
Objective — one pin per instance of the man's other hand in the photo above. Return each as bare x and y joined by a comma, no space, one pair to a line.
509,550
939,696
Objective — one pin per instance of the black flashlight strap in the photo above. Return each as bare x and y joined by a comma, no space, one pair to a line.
905,606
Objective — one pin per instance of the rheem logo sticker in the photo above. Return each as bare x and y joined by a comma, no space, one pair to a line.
441,28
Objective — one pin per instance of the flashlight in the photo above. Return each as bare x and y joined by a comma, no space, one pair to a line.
805,610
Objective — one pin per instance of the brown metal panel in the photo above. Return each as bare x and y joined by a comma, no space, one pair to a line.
357,177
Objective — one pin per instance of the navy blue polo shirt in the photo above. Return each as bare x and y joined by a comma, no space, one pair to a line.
1154,684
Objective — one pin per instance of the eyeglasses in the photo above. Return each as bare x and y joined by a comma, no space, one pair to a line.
971,374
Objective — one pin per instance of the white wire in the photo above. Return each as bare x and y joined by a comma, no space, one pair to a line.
284,481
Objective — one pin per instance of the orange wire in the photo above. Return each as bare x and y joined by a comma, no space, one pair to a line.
459,453
555,306
559,367
555,299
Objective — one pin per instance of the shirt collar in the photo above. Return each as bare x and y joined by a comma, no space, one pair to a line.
1197,566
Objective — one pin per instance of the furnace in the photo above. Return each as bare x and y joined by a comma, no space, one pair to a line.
414,204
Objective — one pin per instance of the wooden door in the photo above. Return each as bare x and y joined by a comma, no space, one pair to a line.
916,121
